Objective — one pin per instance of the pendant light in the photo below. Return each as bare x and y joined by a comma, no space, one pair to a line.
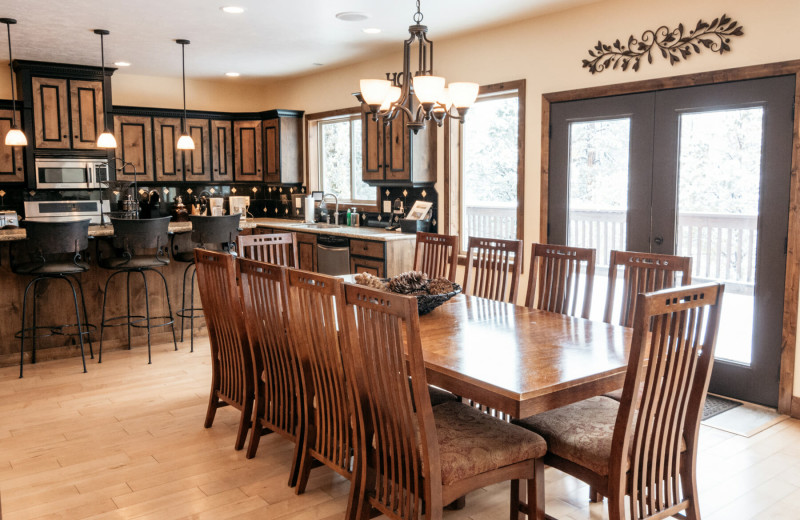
14,137
185,142
106,139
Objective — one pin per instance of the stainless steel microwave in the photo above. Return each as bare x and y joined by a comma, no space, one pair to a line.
70,173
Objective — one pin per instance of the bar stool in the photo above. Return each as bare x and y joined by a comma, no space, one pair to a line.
53,251
217,233
141,246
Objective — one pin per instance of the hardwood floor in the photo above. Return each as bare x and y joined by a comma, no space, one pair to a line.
126,440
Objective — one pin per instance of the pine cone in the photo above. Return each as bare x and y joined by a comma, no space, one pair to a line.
440,286
372,281
407,283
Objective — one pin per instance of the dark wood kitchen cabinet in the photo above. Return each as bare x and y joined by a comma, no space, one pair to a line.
247,146
134,147
306,251
11,168
394,155
283,137
221,151
68,113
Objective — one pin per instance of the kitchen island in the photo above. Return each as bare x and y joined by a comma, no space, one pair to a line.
373,249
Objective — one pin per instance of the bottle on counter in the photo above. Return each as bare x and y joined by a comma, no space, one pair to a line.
354,217
348,217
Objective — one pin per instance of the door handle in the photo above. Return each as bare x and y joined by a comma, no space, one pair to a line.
658,240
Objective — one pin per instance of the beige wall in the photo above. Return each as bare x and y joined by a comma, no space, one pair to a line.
547,53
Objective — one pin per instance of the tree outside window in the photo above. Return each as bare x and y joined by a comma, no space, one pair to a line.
340,165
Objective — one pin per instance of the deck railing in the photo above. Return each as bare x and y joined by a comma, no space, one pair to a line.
493,220
722,247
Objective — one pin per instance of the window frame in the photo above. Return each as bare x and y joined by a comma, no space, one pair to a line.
313,156
453,163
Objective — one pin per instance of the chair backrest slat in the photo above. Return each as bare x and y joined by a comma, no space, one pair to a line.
642,272
558,276
396,428
436,255
670,361
493,268
230,351
263,288
315,304
275,248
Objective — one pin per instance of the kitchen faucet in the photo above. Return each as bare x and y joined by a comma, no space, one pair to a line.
335,213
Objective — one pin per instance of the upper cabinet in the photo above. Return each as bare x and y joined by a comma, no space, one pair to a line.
283,137
11,169
221,151
247,149
394,155
67,114
134,147
197,162
168,159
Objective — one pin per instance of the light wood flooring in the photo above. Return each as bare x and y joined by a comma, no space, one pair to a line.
127,440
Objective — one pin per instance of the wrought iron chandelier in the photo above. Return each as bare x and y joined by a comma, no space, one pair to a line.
431,100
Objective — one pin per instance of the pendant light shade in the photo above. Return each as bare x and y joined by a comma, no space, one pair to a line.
106,139
15,136
185,142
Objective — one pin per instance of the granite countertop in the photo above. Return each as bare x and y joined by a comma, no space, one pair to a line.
378,234
365,233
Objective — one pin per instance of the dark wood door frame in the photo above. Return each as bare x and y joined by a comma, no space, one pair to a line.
787,404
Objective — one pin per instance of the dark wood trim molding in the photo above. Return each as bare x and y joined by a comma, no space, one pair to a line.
333,113
787,403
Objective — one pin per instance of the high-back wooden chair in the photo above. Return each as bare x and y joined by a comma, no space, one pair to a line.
642,272
557,278
315,303
645,447
275,248
231,360
277,406
436,255
413,458
493,268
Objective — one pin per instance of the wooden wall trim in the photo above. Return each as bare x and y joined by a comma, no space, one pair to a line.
786,401
333,113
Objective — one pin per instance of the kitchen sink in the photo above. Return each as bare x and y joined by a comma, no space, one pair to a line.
321,225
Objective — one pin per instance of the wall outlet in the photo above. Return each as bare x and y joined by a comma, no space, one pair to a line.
387,206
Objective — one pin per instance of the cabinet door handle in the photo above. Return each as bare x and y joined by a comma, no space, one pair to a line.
65,136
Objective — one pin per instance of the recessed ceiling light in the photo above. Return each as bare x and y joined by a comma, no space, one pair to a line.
232,74
352,16
232,9
316,64
371,30
122,64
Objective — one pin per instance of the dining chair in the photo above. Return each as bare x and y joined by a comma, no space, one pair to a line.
557,278
642,272
436,255
275,248
493,268
231,361
645,446
315,303
277,405
412,458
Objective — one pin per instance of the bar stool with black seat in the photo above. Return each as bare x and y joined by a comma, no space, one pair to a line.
217,233
53,251
141,246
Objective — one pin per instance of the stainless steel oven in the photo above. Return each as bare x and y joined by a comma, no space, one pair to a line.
70,173
65,210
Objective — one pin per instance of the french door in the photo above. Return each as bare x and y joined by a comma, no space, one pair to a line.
701,172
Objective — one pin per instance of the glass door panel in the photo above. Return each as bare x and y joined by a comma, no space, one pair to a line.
719,173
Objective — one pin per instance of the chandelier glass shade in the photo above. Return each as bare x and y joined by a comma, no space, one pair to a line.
419,94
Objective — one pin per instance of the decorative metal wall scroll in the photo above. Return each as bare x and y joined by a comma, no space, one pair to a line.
674,44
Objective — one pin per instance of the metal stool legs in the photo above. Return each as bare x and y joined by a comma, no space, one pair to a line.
130,320
83,326
190,311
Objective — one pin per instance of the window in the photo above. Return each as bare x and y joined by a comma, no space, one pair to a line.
339,159
488,160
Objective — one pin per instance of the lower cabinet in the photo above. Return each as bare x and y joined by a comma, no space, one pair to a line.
367,265
381,259
307,251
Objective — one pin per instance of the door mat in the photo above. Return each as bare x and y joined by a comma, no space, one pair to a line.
745,420
716,405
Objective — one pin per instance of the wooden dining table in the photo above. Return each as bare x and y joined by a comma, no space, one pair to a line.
518,360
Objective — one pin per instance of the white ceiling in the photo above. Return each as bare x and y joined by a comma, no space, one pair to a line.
273,38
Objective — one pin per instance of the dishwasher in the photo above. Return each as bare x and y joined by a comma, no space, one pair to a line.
333,254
